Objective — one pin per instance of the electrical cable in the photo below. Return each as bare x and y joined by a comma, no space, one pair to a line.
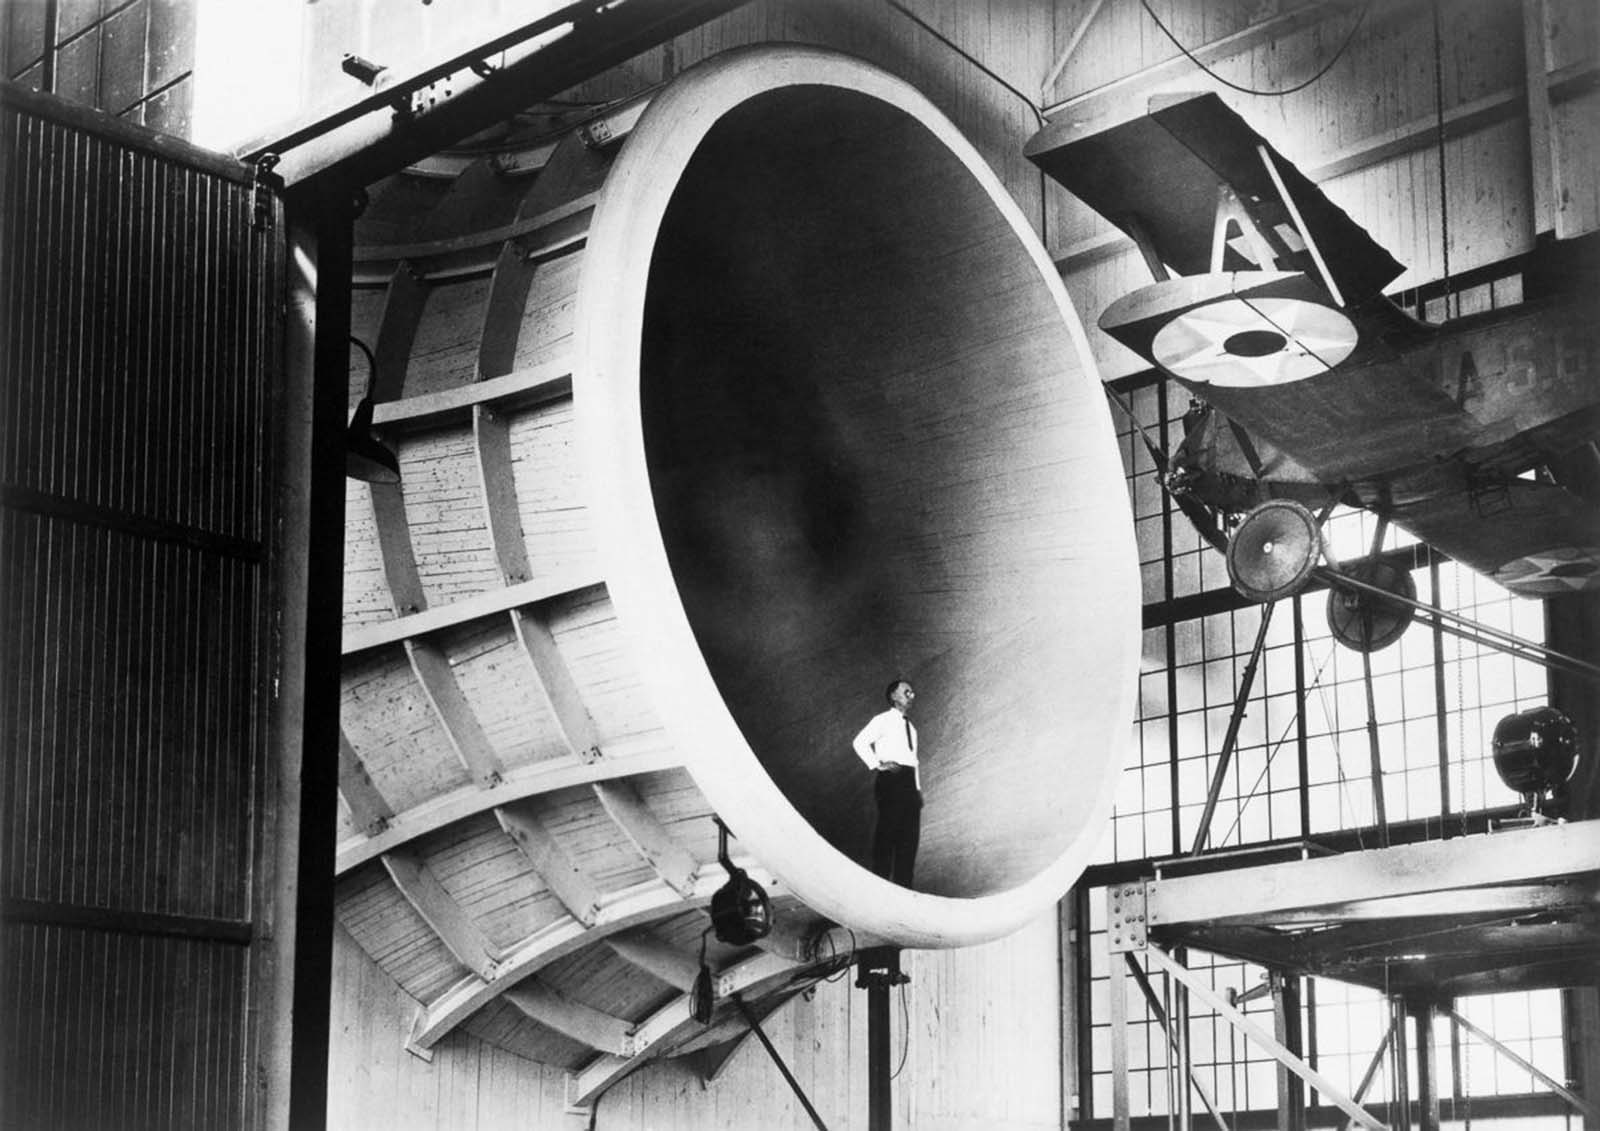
905,1032
1326,67
1038,112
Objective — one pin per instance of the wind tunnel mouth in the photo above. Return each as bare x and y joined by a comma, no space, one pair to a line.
858,395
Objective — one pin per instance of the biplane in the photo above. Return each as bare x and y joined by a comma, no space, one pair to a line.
1312,387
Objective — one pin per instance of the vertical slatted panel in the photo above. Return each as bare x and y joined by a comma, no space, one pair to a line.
139,322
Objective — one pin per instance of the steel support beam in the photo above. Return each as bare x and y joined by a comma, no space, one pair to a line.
1261,1037
1587,1108
755,1027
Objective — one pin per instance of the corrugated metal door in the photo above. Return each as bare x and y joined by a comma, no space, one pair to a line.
140,329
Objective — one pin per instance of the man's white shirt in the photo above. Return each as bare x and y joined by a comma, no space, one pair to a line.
888,737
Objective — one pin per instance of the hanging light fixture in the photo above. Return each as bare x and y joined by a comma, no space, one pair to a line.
365,456
740,910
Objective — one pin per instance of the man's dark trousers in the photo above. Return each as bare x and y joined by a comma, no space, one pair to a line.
899,827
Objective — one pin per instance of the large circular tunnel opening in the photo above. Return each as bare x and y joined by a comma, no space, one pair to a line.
859,402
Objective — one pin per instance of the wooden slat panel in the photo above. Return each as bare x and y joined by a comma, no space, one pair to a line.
575,890
671,861
441,912
460,724
140,343
106,1029
445,515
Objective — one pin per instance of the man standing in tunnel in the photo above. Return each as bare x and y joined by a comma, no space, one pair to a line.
888,745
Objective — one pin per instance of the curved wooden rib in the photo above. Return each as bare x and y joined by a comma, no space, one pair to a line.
575,891
362,638
529,781
534,385
670,860
369,809
450,707
455,928
668,1026
600,1031
638,906
549,233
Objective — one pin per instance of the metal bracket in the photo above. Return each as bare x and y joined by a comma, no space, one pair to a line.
1125,921
264,185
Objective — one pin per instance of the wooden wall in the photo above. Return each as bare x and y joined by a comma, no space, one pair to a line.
983,1049
1367,130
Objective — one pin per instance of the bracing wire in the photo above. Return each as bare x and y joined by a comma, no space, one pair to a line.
1316,678
1326,67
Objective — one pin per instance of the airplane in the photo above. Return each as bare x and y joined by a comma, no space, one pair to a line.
1312,387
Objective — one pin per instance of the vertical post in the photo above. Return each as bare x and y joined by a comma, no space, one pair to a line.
1427,1067
1117,989
1400,1110
880,1111
1286,1023
1581,1008
321,238
879,970
1067,934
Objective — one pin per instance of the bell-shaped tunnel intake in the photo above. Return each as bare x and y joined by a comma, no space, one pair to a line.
874,446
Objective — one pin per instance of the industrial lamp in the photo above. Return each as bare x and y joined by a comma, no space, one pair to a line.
365,456
740,910
1535,754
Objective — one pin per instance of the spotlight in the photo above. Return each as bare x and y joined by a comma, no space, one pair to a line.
740,910
1535,754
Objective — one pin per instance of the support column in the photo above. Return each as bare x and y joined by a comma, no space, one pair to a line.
1427,1067
879,970
1287,1027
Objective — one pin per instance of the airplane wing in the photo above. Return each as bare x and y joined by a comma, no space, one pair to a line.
1261,348
1160,177
1536,539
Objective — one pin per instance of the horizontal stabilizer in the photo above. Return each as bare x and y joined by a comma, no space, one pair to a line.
1160,177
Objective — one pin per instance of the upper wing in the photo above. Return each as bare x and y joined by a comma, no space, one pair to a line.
1161,176
1536,539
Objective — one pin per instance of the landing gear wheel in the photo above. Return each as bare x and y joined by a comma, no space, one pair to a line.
1364,622
1274,550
